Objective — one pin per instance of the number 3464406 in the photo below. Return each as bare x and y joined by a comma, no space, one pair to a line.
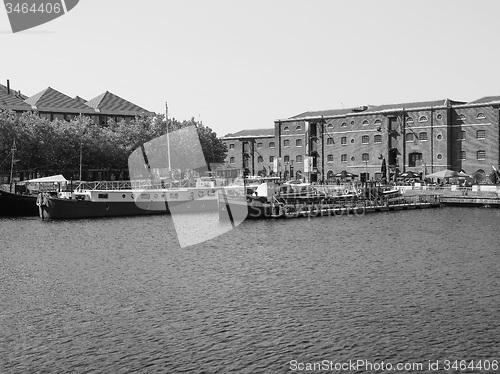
34,8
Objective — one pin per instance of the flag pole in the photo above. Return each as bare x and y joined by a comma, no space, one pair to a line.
168,141
12,164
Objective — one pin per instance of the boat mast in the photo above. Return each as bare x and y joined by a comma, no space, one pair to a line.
13,149
168,141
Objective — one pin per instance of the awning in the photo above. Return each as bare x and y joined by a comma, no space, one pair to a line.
52,179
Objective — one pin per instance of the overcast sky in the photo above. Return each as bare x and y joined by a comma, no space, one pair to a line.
243,64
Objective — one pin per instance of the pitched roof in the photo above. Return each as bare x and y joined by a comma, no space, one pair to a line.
12,102
13,92
254,133
486,99
50,100
80,99
375,108
413,105
324,113
111,104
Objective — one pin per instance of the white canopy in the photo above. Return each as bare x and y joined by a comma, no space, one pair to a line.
52,179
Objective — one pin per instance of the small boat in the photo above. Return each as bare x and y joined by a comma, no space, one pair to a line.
17,205
112,199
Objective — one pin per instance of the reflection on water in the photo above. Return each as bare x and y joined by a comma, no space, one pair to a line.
120,295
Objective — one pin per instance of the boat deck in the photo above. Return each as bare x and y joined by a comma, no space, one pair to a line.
359,208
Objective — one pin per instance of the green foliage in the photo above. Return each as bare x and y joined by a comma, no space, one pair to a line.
44,145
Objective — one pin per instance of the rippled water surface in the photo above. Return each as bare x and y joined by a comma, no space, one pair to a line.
120,295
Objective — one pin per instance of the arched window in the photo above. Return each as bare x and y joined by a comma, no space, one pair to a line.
422,119
329,158
298,174
480,116
329,141
260,160
298,128
365,139
286,143
377,122
409,120
343,124
231,146
377,139
271,158
365,157
343,157
298,159
329,127
271,144
298,142
231,160
365,122
259,145
286,128
461,117
286,159
330,174
343,140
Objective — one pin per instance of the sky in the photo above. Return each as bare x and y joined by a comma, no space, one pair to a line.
238,65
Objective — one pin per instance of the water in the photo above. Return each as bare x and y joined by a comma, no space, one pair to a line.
120,295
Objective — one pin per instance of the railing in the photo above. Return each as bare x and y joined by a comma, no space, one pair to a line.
135,185
453,191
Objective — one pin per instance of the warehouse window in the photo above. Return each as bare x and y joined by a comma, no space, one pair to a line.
377,139
481,134
423,136
329,141
365,139
481,155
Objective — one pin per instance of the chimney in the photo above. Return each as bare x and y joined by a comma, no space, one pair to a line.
8,86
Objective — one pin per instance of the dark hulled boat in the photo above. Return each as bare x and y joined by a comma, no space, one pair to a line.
17,205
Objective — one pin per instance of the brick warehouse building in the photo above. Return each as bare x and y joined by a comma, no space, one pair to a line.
420,137
251,150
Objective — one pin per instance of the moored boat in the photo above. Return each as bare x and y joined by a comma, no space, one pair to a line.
117,201
17,205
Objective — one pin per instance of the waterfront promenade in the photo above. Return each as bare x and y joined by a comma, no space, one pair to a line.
474,196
